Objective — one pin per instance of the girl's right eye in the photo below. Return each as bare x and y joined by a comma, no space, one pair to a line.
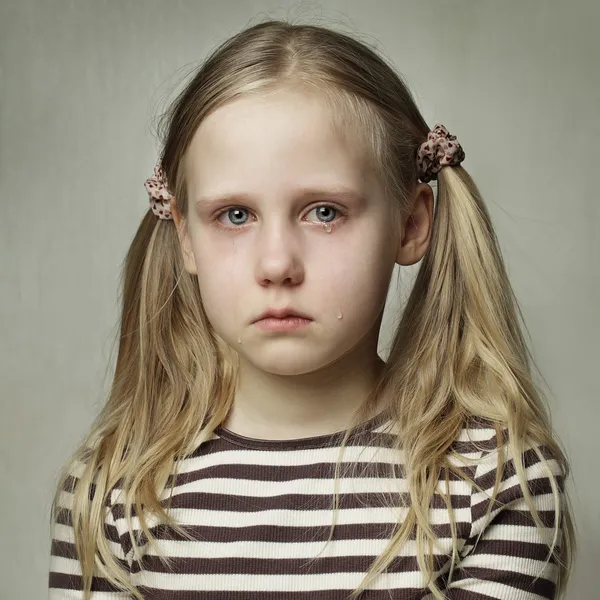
233,213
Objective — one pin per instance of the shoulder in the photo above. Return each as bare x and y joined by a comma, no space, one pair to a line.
501,469
507,474
79,482
489,446
516,509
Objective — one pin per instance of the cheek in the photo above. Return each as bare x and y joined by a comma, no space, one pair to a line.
218,280
220,302
355,279
215,258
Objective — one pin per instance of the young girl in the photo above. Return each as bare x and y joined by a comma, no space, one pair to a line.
254,445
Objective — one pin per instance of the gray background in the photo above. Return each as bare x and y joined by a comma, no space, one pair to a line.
517,81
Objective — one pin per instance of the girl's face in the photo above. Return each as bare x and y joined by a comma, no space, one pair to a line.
265,173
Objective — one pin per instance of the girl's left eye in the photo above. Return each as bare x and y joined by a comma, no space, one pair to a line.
323,210
328,211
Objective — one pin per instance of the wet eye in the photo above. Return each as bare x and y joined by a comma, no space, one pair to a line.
234,214
325,214
325,211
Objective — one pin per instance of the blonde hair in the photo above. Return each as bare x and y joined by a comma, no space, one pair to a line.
458,351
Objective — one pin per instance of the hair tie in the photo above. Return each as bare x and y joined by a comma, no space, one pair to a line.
158,193
439,150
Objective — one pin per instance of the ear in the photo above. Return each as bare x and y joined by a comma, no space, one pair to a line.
417,227
189,260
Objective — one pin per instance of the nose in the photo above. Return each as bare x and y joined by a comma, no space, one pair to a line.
278,258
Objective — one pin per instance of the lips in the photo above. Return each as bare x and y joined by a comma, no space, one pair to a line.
281,313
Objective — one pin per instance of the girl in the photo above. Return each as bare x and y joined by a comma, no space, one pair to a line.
254,445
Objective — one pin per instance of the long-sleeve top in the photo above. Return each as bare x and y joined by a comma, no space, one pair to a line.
258,510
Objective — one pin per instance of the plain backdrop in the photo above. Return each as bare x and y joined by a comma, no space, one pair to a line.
81,85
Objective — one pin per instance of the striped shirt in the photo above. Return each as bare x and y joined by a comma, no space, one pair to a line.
259,510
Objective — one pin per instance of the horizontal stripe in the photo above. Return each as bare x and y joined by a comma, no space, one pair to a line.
302,518
70,566
273,534
226,498
250,565
299,549
63,543
328,594
526,583
102,588
273,583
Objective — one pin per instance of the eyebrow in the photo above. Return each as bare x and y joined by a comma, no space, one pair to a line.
340,194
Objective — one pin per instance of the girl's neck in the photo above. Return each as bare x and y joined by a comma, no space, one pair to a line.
276,407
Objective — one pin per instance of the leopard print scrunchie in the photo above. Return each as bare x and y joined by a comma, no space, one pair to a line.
158,192
439,150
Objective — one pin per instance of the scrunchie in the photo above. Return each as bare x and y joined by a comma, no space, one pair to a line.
439,150
158,193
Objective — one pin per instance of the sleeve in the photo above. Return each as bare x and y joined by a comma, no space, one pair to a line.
506,556
64,581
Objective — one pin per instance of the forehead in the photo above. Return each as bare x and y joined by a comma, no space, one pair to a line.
273,142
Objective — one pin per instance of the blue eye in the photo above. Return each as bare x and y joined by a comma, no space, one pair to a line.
230,211
328,209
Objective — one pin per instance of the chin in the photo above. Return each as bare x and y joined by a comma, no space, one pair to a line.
292,365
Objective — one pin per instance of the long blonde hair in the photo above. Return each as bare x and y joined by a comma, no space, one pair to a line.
458,351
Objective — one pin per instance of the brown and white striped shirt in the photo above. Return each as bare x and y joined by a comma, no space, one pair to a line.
259,510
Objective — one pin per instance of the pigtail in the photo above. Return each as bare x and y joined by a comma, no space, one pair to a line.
459,355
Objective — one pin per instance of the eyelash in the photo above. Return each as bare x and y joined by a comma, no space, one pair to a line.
333,223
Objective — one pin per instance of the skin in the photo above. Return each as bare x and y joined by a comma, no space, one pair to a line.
269,249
